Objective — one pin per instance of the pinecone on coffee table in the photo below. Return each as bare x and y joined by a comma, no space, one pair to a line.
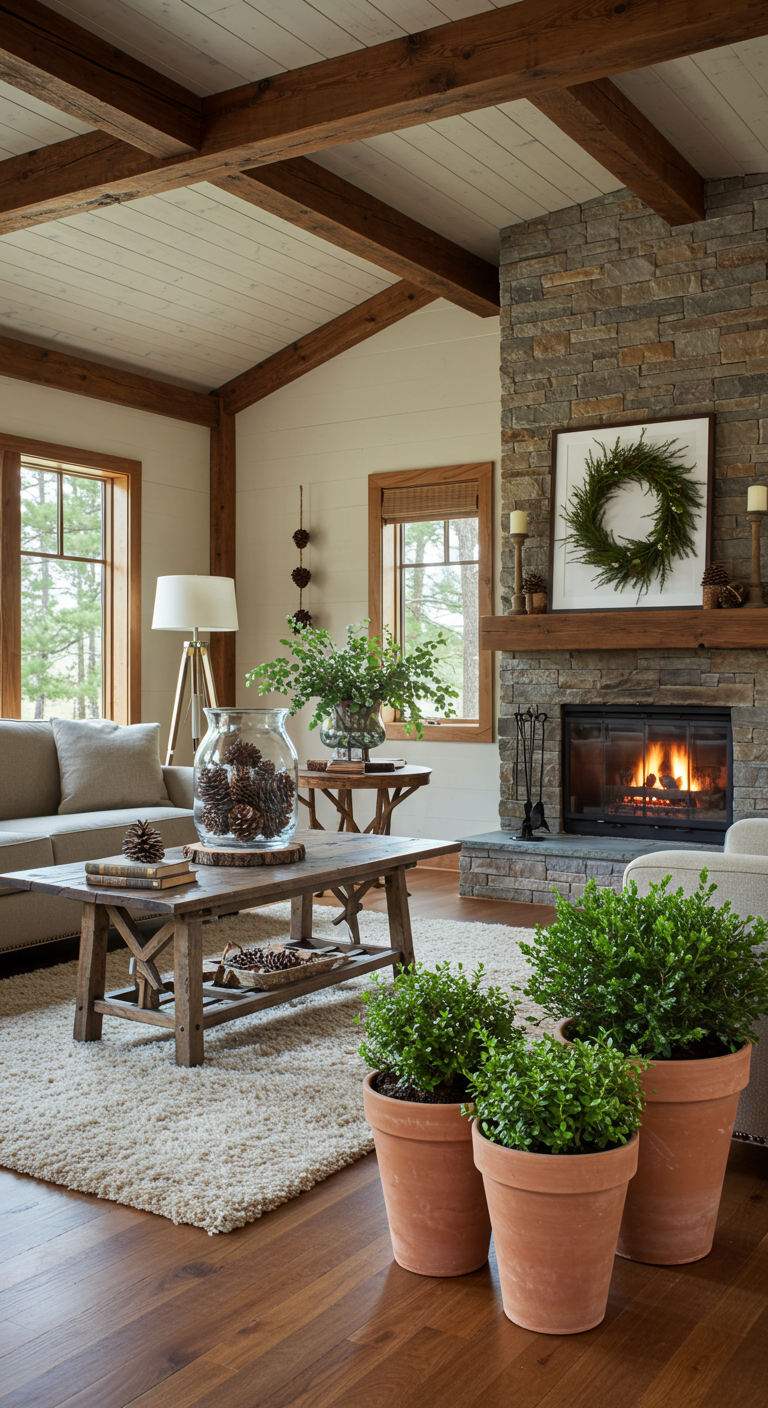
143,843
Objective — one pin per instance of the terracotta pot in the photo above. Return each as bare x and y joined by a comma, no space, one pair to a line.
555,1220
438,1217
671,1209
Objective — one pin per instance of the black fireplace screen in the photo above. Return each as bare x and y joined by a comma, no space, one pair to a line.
647,772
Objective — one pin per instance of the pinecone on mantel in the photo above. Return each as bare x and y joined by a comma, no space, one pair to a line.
716,575
143,844
534,582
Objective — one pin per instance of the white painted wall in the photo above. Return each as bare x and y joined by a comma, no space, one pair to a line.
174,533
421,394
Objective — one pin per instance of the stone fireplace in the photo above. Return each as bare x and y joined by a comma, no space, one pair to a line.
609,315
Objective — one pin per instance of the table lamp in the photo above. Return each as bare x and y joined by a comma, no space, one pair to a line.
196,604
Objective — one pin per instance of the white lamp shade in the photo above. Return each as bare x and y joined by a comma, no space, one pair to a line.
195,603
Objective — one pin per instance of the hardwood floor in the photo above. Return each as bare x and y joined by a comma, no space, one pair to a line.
102,1306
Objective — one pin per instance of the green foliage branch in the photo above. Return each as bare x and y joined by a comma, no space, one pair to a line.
547,1098
426,1028
634,562
658,973
367,670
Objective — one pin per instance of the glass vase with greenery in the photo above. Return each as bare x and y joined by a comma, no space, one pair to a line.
666,974
547,1098
424,1031
366,672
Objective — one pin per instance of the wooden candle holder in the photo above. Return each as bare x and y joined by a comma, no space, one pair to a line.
756,589
518,600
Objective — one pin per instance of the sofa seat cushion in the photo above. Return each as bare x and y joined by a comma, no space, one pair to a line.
88,835
20,851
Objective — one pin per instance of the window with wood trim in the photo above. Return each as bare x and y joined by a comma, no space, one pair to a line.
70,574
431,564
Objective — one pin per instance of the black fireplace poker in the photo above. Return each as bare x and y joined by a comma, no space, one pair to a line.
530,722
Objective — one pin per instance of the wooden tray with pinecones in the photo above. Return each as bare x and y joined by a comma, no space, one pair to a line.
252,968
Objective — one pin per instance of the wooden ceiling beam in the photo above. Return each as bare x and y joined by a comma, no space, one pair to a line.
382,311
518,51
606,124
69,68
317,200
24,361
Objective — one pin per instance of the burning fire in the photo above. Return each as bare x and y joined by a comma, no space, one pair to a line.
668,761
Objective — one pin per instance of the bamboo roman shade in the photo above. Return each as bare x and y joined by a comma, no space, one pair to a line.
424,503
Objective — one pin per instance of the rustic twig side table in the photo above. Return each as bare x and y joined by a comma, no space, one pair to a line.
184,1004
401,784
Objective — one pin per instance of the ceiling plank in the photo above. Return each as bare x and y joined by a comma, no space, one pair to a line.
607,125
377,313
321,202
25,362
69,68
519,51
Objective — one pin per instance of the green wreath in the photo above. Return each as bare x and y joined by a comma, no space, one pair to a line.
634,562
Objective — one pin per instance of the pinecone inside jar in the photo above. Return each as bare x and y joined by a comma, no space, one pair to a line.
215,821
143,843
241,788
242,754
244,822
274,803
213,786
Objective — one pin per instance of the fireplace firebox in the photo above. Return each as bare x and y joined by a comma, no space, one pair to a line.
654,773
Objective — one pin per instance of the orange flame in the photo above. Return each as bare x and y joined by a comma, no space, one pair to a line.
672,761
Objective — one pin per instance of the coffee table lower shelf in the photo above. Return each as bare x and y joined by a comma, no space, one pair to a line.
226,1004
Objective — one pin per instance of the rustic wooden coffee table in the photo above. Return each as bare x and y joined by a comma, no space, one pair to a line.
346,864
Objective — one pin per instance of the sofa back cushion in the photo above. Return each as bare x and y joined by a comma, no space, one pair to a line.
29,769
104,766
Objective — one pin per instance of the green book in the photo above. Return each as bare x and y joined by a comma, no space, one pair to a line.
120,865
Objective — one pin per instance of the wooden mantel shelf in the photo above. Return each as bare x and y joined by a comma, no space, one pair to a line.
738,629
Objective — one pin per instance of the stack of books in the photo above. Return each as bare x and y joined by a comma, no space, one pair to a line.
118,873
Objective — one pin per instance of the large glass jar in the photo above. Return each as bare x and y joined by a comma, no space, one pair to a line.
246,773
353,729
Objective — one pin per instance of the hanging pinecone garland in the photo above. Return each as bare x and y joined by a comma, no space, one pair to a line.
301,575
143,844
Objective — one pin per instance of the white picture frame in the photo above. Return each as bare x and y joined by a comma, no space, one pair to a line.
572,585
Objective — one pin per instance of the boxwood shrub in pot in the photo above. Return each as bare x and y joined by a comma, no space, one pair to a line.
678,980
555,1137
420,1033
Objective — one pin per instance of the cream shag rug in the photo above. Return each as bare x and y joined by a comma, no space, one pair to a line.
276,1107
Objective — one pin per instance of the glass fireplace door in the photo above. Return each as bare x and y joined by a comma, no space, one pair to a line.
636,773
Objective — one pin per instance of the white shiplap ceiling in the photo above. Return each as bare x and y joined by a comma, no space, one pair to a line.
196,286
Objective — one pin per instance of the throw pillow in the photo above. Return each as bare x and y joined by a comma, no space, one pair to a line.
104,766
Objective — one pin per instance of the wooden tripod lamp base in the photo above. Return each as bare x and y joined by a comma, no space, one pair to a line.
195,663
199,604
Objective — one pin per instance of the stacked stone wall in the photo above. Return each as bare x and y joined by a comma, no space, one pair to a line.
609,315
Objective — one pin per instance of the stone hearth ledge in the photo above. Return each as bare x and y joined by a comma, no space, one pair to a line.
496,866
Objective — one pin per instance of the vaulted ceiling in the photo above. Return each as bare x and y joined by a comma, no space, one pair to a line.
379,176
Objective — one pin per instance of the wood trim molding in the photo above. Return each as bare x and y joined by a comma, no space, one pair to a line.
628,629
122,682
606,124
517,51
24,361
452,731
317,200
10,583
223,536
339,335
72,69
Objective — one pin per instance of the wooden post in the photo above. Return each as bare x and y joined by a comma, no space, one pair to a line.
301,917
10,584
188,990
399,916
223,514
92,971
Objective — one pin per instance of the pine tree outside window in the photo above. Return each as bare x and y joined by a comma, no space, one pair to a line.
70,583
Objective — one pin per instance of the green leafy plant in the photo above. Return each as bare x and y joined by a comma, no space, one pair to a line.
547,1098
367,670
425,1029
668,974
634,562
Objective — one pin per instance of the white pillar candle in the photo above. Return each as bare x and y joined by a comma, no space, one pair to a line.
757,499
518,519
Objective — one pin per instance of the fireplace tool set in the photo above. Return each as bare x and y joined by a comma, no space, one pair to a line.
530,723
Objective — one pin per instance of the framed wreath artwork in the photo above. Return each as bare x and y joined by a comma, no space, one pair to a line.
631,514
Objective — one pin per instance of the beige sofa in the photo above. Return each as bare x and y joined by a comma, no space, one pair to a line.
32,833
740,872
